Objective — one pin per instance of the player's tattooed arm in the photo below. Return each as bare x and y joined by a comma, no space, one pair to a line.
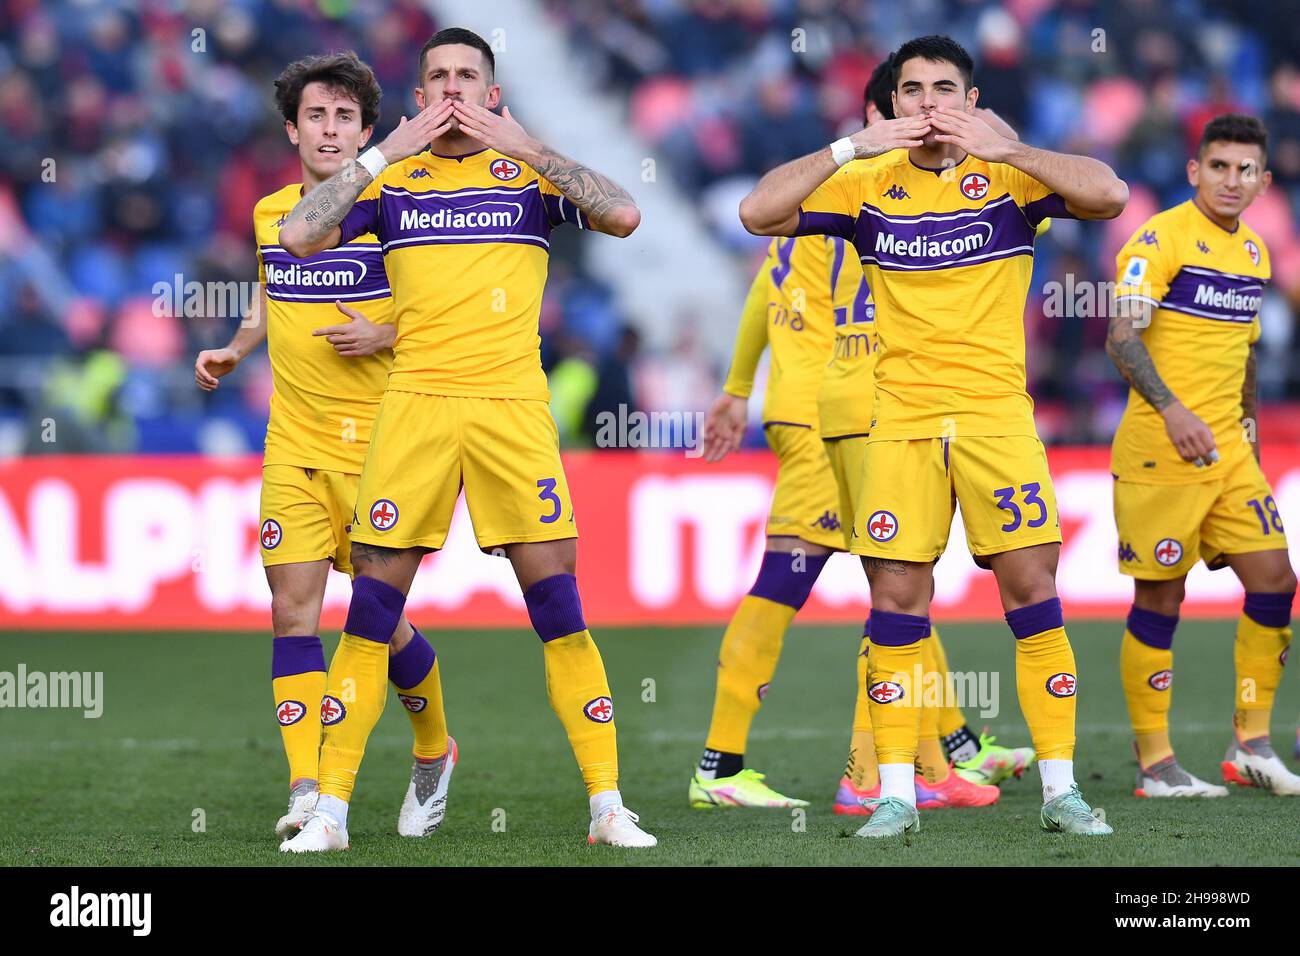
313,225
609,207
1191,436
1250,403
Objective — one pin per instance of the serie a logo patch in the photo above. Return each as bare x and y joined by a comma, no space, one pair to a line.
289,712
599,709
1161,680
885,691
1062,685
412,703
331,710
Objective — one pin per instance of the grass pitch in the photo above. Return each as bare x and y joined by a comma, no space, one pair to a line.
187,737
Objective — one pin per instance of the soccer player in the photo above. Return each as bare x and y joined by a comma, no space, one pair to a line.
327,383
802,300
944,223
1188,485
463,202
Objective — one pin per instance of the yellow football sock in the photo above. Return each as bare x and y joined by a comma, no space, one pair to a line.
1045,683
300,728
862,769
751,647
895,702
1146,673
1259,653
414,672
355,692
951,719
579,695
931,759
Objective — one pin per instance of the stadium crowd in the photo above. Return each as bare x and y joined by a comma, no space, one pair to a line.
140,134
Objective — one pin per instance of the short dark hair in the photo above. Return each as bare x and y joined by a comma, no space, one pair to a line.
344,72
1235,128
450,35
879,87
937,49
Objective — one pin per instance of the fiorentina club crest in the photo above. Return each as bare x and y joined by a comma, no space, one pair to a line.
882,526
885,692
383,514
271,534
1161,680
504,169
1062,685
1253,250
331,710
289,712
600,710
1169,552
974,186
412,703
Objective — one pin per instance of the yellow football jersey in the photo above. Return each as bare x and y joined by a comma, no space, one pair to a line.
465,242
845,401
947,255
1206,285
322,404
789,308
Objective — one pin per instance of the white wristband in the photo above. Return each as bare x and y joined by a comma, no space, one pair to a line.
373,161
843,151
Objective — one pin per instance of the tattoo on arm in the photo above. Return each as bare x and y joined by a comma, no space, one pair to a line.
594,194
1125,347
325,206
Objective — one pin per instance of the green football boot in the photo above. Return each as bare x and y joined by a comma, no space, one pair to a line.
1070,813
993,764
744,789
890,817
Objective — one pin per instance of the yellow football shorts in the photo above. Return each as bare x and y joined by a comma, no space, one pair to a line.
804,502
848,457
910,491
305,515
504,452
1165,529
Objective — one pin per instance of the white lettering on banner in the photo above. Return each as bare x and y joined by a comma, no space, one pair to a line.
449,578
150,535
717,510
63,583
230,574
18,580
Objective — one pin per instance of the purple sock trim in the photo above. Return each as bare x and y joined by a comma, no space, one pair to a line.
1152,628
778,581
296,655
890,629
1043,616
375,610
554,607
412,663
1269,610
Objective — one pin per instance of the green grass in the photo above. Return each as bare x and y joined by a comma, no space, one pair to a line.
187,725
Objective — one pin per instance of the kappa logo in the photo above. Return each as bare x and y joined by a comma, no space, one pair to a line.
289,712
1126,553
331,710
383,514
1202,247
762,690
974,185
896,192
1168,552
1252,250
504,169
272,534
885,691
599,709
829,521
418,174
1148,238
1062,685
412,703
281,221
882,526
1161,680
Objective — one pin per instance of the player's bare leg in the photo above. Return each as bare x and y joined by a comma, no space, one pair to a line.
1146,671
747,662
1259,652
575,682
900,620
1046,680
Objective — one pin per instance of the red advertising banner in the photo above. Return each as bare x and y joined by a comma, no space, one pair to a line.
161,542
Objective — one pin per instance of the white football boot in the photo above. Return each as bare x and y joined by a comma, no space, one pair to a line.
321,833
1252,763
302,802
617,826
1165,778
426,798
